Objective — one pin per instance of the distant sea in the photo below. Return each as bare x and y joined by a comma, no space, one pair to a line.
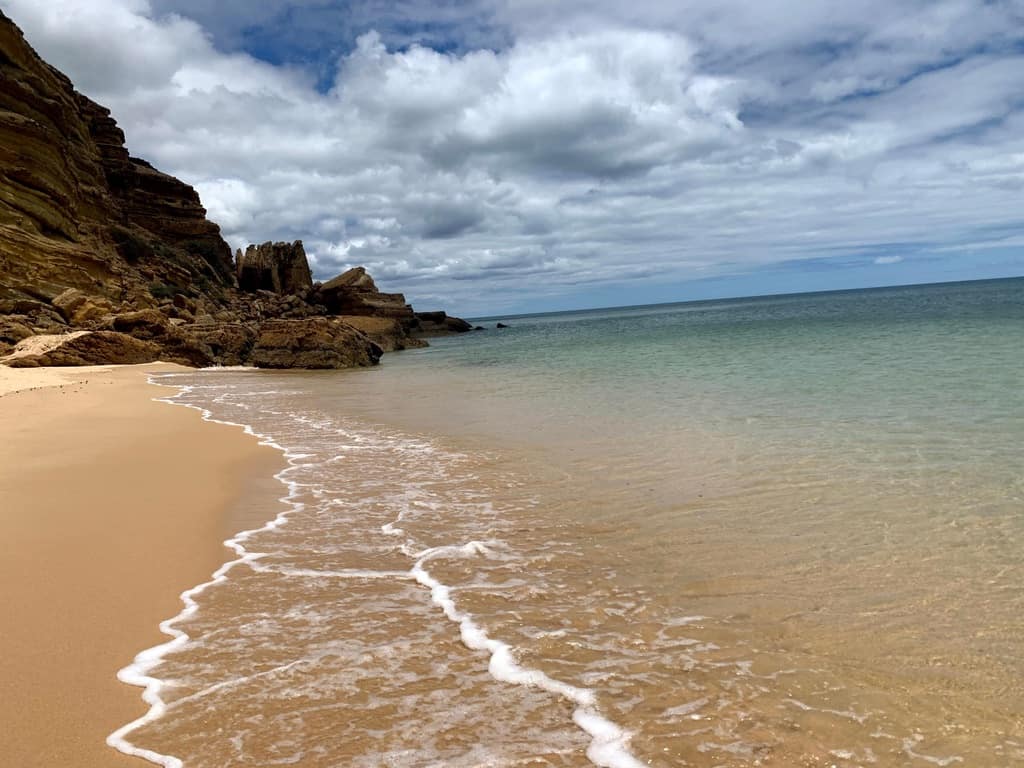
771,531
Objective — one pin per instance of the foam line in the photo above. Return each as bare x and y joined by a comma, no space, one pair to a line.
137,673
346,573
609,744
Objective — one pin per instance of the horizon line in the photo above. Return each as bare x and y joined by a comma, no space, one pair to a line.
523,315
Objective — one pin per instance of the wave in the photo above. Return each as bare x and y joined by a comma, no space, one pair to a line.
608,745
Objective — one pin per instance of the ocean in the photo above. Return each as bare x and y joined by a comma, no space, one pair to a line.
769,531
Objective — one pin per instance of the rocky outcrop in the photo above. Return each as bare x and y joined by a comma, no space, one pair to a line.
229,343
105,259
176,344
276,267
439,324
82,348
80,310
386,332
318,342
354,293
12,330
37,315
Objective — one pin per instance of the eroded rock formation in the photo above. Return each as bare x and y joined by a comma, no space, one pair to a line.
83,348
105,259
275,267
440,324
354,293
319,342
387,332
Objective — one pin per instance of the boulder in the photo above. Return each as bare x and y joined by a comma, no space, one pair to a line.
354,293
143,323
33,313
177,344
81,310
92,314
12,330
316,342
229,343
68,301
387,332
82,348
440,324
281,268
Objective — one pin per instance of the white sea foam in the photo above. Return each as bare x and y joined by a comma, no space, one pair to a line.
942,762
137,673
609,744
345,573
846,713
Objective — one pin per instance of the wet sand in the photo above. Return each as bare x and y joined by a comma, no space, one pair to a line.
111,505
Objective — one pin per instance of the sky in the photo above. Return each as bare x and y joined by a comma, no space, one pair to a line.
493,156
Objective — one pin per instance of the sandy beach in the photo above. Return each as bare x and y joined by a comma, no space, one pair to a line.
111,504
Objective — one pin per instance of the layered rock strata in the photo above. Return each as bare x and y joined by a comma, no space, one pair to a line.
275,267
83,348
76,211
319,342
354,293
105,259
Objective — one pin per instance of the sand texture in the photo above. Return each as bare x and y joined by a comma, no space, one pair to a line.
111,504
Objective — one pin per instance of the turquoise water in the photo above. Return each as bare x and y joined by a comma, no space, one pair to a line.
771,531
948,358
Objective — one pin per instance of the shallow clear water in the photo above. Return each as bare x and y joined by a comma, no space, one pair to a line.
768,531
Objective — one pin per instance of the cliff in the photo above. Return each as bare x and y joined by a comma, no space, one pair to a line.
76,211
94,240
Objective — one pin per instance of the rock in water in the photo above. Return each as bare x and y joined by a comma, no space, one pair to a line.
387,332
440,324
281,268
316,342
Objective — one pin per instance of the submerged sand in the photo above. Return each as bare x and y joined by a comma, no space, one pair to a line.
111,504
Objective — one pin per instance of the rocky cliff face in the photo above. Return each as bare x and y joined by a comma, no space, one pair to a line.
103,258
76,211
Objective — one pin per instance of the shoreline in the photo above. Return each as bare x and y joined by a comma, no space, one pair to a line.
101,537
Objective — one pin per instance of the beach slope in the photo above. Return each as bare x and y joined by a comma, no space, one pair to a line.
111,505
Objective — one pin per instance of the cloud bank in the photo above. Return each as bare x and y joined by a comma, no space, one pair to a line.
493,156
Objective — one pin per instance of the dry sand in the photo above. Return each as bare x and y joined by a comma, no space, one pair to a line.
111,505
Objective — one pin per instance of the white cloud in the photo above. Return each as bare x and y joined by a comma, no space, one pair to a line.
888,260
606,142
